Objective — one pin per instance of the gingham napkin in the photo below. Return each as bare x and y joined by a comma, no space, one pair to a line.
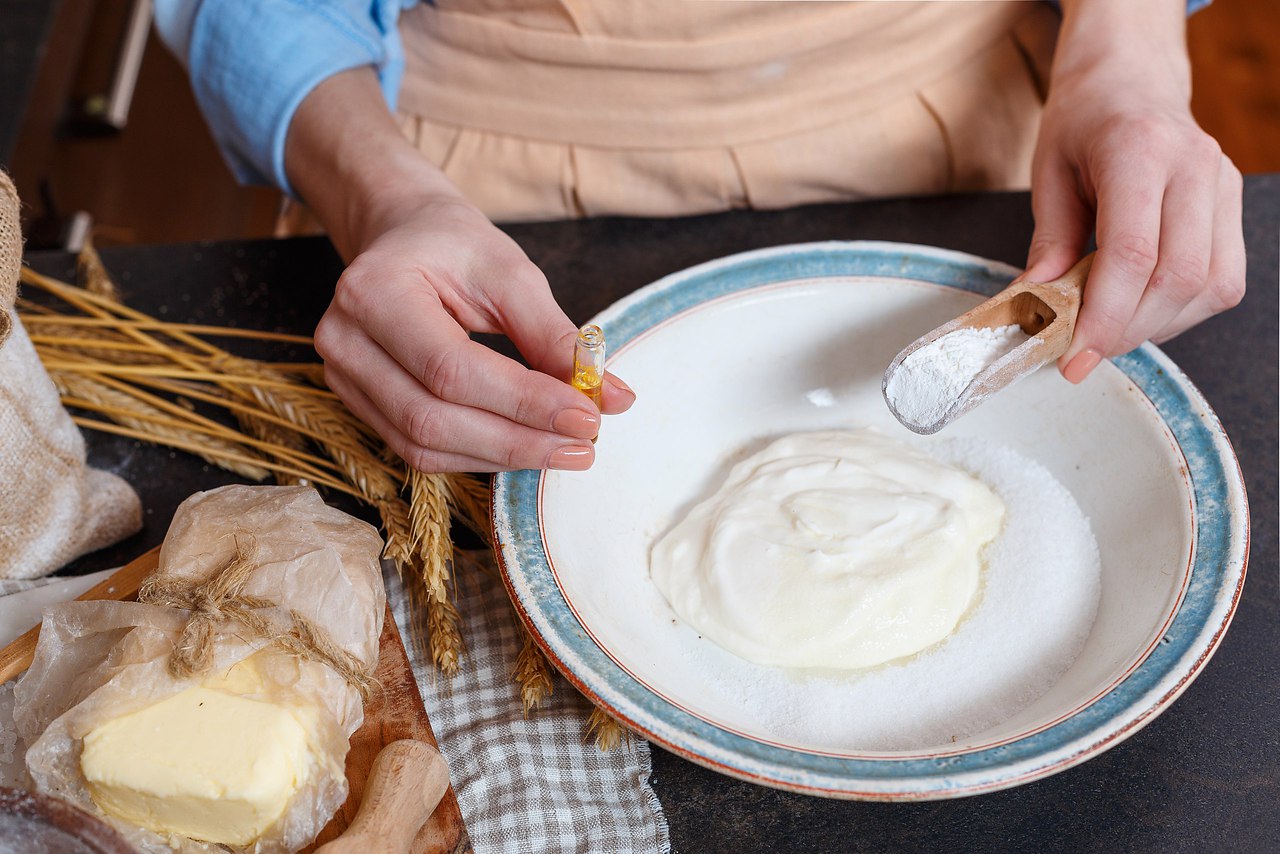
528,784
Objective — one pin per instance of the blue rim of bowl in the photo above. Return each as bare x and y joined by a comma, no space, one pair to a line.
1219,558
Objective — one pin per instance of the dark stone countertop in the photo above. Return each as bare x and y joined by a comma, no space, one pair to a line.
1204,776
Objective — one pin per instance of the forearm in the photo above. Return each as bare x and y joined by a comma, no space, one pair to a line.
348,160
1141,42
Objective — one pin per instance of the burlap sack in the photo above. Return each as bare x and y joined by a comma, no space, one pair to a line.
53,507
10,252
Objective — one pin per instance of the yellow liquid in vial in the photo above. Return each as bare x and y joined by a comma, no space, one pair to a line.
589,382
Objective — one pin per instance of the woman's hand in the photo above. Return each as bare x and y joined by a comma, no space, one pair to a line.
426,268
1120,153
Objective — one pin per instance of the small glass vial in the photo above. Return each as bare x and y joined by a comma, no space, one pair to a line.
588,362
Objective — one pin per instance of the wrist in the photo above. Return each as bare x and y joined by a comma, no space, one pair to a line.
349,161
393,183
1135,46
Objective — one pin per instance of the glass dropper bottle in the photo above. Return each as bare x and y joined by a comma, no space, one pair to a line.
588,362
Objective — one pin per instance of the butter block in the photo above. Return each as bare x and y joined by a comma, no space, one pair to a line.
206,763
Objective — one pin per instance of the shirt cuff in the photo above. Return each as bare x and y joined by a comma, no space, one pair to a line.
250,72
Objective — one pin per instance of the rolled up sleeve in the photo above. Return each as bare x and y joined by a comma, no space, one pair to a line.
252,63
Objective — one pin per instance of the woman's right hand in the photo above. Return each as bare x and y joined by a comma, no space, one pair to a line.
427,268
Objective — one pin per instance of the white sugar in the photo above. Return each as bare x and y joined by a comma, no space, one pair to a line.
930,380
1036,608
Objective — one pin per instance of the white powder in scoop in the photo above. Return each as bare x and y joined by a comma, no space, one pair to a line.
1036,606
928,381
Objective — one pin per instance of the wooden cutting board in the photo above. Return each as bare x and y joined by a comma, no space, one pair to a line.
395,711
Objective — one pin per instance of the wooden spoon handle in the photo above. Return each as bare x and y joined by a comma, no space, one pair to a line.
1064,295
120,585
406,782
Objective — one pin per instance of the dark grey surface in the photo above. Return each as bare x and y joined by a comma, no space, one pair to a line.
1204,776
24,27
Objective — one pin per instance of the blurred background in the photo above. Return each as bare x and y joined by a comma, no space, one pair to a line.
101,133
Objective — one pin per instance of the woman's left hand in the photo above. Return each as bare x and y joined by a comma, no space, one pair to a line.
1120,153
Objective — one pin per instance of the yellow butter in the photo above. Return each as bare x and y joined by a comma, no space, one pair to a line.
207,763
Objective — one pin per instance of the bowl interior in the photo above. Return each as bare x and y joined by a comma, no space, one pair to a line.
720,379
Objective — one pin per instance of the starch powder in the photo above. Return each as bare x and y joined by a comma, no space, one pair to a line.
930,380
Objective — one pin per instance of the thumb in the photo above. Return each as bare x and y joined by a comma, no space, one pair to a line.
545,336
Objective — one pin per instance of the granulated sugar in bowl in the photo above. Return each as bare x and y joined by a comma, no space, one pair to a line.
1066,651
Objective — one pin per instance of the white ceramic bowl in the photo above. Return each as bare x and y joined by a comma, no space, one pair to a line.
728,354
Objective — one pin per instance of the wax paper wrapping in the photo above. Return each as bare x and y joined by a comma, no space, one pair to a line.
99,660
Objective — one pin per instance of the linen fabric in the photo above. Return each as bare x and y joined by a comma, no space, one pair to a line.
527,784
53,507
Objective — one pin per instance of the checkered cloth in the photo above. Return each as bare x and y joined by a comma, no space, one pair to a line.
528,784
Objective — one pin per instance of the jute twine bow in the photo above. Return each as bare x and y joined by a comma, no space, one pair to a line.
219,599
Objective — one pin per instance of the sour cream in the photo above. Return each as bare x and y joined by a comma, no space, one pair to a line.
839,549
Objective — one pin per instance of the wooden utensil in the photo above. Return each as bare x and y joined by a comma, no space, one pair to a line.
121,585
1044,310
395,712
406,782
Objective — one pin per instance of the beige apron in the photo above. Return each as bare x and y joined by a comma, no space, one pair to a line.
541,109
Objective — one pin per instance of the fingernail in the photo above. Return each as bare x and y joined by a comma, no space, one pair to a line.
619,385
571,458
577,423
1081,366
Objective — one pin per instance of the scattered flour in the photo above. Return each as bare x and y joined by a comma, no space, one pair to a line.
1035,609
930,379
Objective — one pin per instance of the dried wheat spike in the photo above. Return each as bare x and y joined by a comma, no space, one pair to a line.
395,523
429,529
607,732
444,634
532,673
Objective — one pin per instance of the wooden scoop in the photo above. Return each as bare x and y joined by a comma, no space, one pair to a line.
1044,310
406,782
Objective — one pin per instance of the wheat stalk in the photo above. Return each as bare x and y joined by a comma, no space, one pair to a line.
607,732
94,343
150,325
273,434
93,275
444,631
429,529
532,673
87,393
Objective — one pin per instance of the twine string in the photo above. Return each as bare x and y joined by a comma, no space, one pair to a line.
219,599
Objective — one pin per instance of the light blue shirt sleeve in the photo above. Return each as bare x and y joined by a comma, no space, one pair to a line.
251,63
